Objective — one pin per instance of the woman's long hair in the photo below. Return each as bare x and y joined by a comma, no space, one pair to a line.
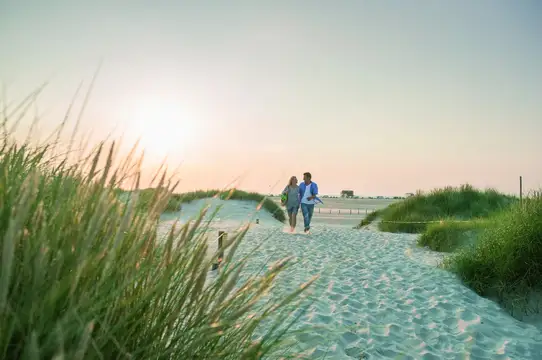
292,182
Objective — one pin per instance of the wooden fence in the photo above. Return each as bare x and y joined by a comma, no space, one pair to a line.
323,210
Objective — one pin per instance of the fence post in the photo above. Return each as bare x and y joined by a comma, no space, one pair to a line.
521,190
339,211
221,236
350,211
358,211
330,211
365,211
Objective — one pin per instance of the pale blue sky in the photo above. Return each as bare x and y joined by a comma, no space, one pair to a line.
384,97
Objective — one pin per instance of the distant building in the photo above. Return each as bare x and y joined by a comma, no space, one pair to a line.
347,193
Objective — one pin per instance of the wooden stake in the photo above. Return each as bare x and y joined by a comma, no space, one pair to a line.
520,189
221,236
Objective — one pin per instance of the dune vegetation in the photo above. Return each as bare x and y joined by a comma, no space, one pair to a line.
176,200
446,218
372,216
84,275
413,214
448,236
507,256
234,194
494,240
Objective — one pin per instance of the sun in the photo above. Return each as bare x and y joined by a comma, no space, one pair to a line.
164,127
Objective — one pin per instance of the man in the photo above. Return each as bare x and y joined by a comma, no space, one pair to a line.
307,192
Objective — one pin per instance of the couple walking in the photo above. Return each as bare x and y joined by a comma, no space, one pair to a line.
304,194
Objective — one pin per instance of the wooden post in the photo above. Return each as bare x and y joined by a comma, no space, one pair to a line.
330,211
339,211
350,211
365,211
221,236
521,190
358,211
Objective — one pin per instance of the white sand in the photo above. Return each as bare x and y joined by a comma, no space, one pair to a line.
380,296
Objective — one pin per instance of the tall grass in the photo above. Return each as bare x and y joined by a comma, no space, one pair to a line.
463,203
84,276
508,255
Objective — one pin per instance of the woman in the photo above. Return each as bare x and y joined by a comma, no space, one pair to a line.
291,191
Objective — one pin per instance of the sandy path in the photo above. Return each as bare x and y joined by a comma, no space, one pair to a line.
380,296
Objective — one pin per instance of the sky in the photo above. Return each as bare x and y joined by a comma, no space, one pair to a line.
381,97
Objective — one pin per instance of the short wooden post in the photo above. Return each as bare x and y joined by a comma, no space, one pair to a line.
330,211
350,211
358,211
521,190
339,211
221,236
365,211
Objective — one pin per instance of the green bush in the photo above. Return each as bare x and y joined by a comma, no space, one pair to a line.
447,236
464,203
83,275
233,194
508,254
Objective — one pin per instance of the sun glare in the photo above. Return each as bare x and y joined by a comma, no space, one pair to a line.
163,127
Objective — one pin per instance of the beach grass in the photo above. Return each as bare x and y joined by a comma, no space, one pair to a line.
372,216
176,200
145,200
415,213
84,275
507,258
234,194
450,235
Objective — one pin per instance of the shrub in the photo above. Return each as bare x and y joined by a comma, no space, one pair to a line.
508,254
83,275
447,236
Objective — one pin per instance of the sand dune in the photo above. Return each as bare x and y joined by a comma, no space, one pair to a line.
380,296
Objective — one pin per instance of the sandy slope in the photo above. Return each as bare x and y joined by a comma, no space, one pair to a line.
380,296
